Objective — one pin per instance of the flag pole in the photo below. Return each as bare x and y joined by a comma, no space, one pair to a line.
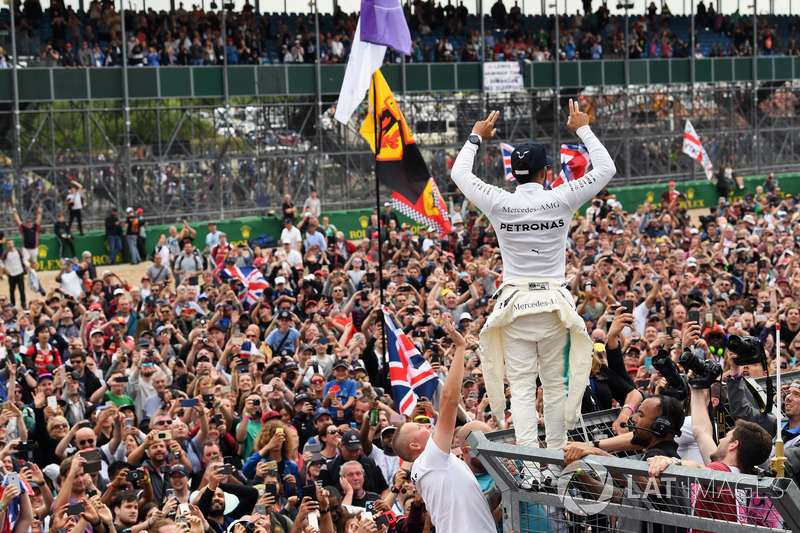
377,123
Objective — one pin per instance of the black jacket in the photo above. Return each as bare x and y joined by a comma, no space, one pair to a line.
112,228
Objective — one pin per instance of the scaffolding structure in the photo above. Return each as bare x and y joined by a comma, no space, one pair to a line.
201,143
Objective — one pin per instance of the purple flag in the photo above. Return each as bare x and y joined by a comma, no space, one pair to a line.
383,22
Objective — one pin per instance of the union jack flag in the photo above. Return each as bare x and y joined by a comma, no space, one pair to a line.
507,150
253,283
10,520
575,162
411,374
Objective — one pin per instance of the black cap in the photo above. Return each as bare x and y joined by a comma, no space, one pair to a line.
351,441
285,314
150,299
533,155
341,363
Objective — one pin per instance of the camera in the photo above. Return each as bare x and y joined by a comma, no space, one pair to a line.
134,476
256,402
677,388
706,371
749,350
75,375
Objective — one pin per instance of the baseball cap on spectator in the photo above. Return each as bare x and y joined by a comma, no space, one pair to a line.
129,210
672,183
96,306
143,341
633,349
340,364
694,231
691,263
179,469
203,296
302,398
311,302
748,219
150,299
280,280
259,261
306,347
290,364
529,158
387,429
145,278
465,316
633,370
286,352
716,330
386,204
45,375
482,301
216,327
320,412
284,314
118,292
588,317
319,273
269,415
288,220
468,379
351,441
100,331
456,218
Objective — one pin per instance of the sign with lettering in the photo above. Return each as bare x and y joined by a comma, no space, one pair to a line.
502,77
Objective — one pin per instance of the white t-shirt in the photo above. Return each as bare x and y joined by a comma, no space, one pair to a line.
451,492
77,200
71,283
532,223
292,235
388,465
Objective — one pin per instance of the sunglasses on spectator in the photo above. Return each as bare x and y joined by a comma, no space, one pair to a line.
477,375
60,426
163,423
85,441
361,376
334,432
317,381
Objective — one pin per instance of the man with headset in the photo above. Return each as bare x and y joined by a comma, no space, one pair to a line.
653,429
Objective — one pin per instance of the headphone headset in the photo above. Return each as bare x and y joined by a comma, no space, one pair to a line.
716,351
661,427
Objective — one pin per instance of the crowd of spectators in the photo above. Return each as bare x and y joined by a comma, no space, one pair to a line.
440,33
182,401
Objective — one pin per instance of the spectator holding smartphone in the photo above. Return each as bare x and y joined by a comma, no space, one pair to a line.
448,487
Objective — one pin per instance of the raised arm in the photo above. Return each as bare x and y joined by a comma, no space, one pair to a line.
451,392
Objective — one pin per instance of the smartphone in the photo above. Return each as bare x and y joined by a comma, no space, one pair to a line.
272,488
310,491
436,358
164,435
669,331
628,305
260,509
237,341
91,492
52,403
183,509
694,316
648,364
272,466
396,420
266,389
384,519
278,430
121,379
224,390
93,461
169,494
243,369
191,402
219,419
208,398
128,423
709,318
473,394
642,383
75,509
225,469
12,478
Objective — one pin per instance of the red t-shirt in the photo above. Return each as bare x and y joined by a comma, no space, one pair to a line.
718,503
43,358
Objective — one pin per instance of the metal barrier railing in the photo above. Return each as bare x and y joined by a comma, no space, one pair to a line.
615,494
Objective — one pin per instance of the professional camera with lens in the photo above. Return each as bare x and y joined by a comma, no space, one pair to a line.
748,349
705,371
677,387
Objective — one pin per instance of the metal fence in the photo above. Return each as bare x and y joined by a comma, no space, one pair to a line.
616,494
615,500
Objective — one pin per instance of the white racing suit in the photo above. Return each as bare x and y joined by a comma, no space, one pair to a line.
533,331
532,226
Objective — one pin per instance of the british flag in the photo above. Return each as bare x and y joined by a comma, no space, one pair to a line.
13,514
507,150
411,374
253,283
575,162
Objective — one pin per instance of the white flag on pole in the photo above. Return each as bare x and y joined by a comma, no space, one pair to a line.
694,149
365,59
